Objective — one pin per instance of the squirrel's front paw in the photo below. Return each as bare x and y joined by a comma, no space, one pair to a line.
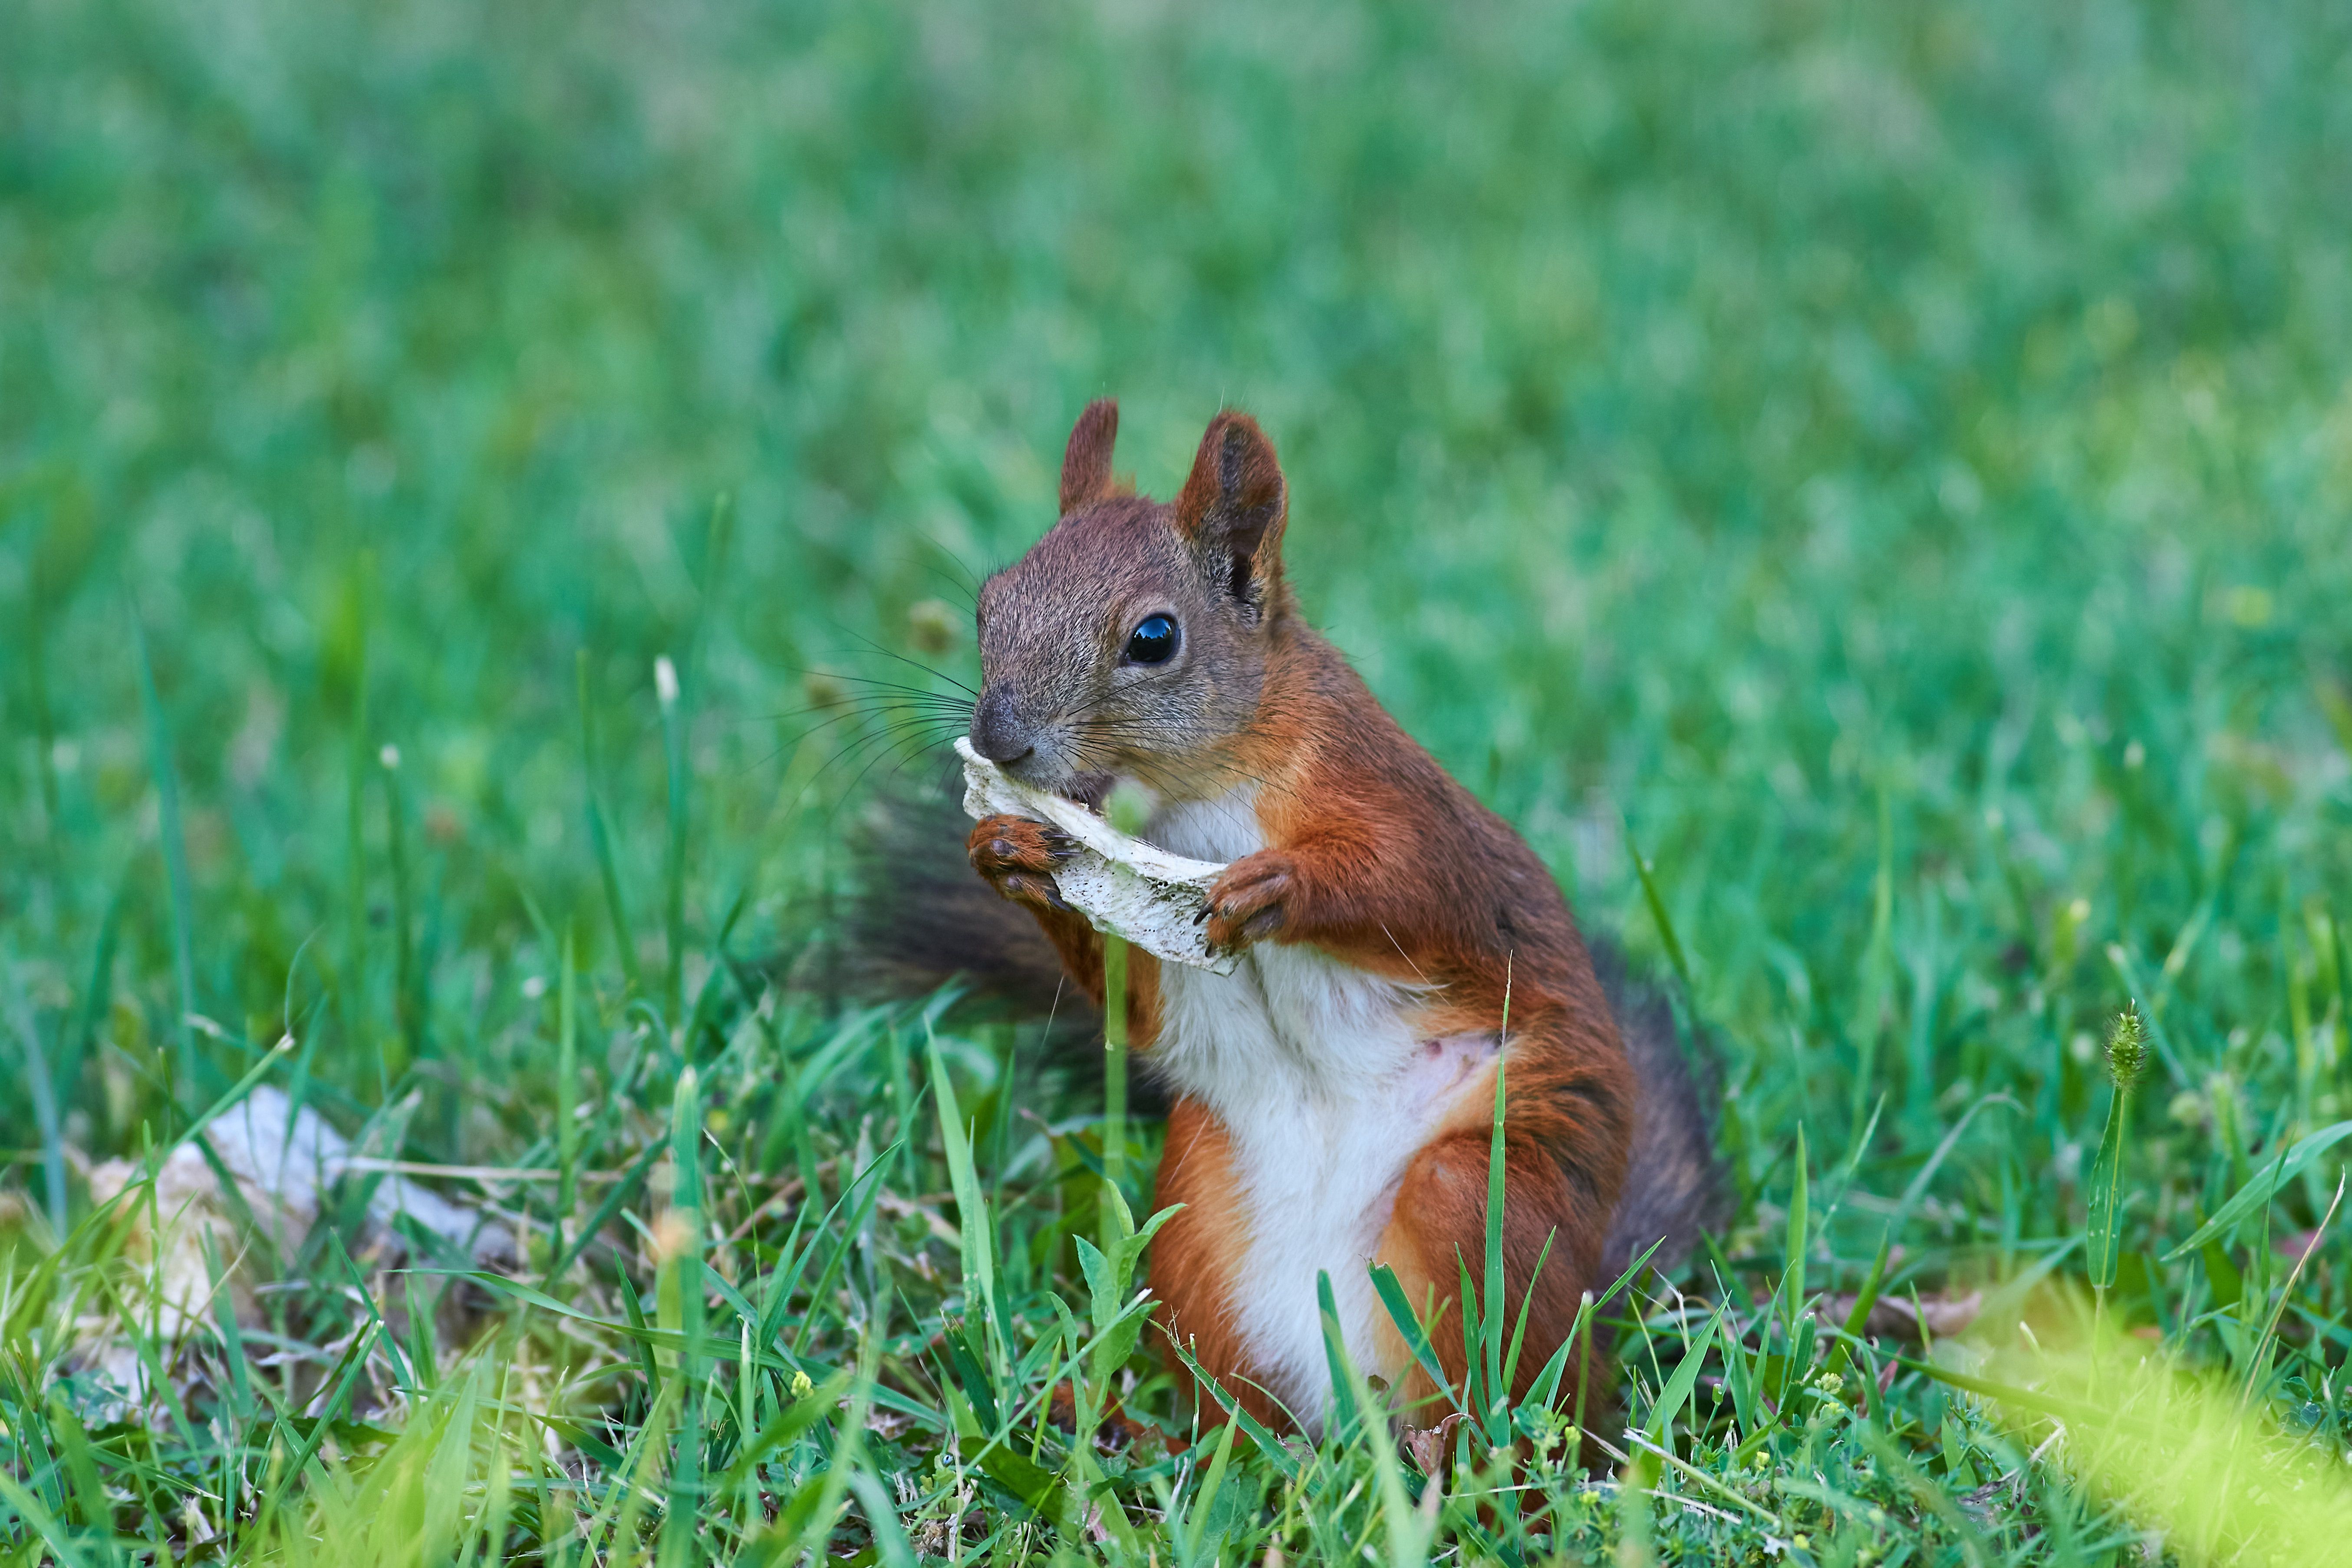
1247,904
1017,855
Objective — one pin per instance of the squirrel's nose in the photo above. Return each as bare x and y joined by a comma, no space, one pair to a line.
996,734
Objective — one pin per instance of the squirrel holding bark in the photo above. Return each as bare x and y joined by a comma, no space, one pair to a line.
1332,1099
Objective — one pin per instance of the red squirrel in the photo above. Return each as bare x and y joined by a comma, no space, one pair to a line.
1332,1098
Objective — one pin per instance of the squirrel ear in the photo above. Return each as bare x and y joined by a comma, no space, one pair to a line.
1085,464
1234,503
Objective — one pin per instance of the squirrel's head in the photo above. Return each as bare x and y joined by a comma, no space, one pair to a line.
1131,641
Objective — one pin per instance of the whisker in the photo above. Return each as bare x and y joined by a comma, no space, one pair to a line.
882,755
969,594
859,748
956,713
867,716
971,579
885,685
873,646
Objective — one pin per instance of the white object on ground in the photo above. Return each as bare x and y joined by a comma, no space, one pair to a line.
284,1162
1123,884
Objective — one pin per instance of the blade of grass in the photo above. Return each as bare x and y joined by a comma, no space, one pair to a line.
782,1542
601,841
45,1525
1527,1304
408,1010
1791,1294
97,994
1410,1529
979,1242
623,1192
71,1443
683,1297
1681,1382
1863,1300
44,1101
889,1536
1878,957
175,858
232,1336
1346,1412
1797,1243
1268,1446
1192,1525
1657,908
1545,1386
350,1000
673,726
853,1232
1128,812
1400,1312
340,1382
2260,1361
1494,1312
2258,1192
567,1086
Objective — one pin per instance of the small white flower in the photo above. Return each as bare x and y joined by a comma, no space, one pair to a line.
666,681
389,756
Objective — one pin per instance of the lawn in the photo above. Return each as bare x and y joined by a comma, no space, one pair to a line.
1867,490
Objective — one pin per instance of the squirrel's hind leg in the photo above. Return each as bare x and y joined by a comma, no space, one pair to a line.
1196,1262
1438,1228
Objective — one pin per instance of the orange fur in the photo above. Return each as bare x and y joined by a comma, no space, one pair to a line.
1197,1254
1387,863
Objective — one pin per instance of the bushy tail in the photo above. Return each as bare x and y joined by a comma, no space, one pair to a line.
1674,1187
920,920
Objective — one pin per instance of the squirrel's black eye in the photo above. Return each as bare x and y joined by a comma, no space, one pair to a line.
1153,642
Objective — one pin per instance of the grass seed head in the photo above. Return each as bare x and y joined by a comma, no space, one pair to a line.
673,1236
822,691
2127,1048
934,626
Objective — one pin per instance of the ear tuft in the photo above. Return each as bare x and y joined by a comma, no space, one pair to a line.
1085,463
1235,503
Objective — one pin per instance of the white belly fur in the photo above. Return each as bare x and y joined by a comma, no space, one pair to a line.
1326,1092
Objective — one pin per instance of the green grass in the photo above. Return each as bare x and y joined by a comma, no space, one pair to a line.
1893,465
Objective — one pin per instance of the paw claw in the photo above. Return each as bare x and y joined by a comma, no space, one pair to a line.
1002,845
1251,900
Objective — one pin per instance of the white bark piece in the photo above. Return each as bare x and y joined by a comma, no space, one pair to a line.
284,1160
1125,887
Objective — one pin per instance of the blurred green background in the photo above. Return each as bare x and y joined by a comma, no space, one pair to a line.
1892,464
1828,436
